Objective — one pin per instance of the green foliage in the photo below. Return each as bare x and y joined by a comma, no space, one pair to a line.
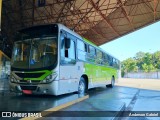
129,65
148,63
139,59
156,57
142,61
148,68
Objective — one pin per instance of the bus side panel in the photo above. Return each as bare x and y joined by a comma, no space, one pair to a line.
99,75
69,77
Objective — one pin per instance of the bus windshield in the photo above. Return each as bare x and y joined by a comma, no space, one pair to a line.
35,53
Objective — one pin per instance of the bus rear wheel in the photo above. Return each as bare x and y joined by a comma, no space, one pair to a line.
82,86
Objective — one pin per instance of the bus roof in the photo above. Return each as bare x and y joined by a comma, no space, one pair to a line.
84,39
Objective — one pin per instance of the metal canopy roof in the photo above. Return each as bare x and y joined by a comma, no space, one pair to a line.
100,21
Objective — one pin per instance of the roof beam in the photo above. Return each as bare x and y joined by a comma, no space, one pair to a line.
64,4
89,23
103,16
21,12
80,19
33,12
67,8
125,13
154,9
34,9
155,6
95,31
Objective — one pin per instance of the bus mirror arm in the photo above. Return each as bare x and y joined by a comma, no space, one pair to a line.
67,43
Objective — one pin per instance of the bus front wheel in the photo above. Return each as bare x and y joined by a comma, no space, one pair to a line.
82,86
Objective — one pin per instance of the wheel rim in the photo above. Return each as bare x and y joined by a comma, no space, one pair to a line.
81,87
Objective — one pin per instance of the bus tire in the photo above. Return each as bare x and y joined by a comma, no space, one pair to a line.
82,86
112,82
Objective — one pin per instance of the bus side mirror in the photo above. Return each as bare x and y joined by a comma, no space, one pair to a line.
67,43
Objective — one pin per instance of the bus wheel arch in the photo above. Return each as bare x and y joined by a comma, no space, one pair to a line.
86,80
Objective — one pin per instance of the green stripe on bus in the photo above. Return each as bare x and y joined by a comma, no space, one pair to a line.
46,73
99,73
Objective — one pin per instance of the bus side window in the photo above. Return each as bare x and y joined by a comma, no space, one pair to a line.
117,64
110,61
95,56
68,55
85,47
71,51
103,63
91,54
114,62
88,49
99,57
82,49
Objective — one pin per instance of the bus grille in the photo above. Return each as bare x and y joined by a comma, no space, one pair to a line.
28,87
32,81
29,75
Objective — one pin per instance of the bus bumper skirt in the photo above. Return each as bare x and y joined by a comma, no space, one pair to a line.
50,89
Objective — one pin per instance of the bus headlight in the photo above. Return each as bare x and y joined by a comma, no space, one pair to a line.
49,78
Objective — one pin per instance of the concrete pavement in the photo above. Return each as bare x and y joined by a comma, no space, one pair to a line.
103,103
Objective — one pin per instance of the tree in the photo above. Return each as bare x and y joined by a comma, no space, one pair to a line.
156,59
142,61
148,68
139,55
148,65
139,59
128,66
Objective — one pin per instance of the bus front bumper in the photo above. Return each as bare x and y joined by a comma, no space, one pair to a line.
50,89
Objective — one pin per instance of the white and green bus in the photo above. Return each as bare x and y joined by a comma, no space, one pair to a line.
52,59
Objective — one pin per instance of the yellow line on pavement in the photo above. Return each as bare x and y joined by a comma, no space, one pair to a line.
48,111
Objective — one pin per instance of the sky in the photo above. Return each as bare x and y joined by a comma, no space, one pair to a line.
146,39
